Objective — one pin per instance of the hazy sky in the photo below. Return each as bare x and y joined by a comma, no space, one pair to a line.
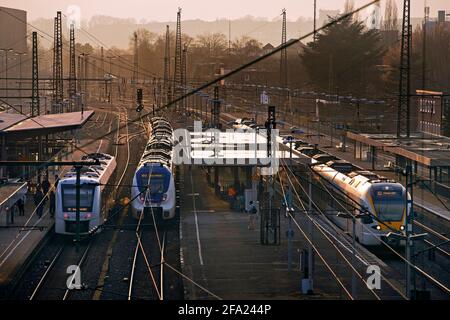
165,10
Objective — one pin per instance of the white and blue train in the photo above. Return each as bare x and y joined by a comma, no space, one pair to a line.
153,190
93,196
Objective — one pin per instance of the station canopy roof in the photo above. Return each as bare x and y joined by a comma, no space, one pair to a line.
22,126
427,149
9,119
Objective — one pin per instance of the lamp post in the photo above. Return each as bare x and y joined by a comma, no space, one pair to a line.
110,77
85,56
290,212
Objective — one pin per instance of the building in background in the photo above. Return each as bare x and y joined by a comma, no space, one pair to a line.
13,29
430,112
442,21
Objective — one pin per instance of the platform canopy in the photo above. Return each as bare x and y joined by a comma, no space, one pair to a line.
10,119
23,127
427,149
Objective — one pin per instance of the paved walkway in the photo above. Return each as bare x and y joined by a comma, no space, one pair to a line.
221,254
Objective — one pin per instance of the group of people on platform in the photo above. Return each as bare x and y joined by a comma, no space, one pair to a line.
43,192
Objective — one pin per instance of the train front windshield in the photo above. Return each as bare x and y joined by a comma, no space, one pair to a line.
155,178
69,198
389,203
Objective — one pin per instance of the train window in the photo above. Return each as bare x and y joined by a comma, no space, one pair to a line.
389,203
156,182
69,201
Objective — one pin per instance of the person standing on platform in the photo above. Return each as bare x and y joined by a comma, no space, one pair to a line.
45,186
252,216
232,196
11,213
39,202
56,181
21,207
52,208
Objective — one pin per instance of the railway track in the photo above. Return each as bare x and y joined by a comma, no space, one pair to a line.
52,285
439,239
147,274
430,277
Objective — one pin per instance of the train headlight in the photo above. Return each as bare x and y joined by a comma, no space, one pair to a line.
88,216
66,216
164,197
402,228
378,228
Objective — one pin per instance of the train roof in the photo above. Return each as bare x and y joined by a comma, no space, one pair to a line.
342,166
324,155
157,152
93,171
156,119
162,132
161,123
155,159
160,140
158,149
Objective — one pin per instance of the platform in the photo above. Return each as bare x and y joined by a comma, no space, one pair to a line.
10,193
221,255
19,240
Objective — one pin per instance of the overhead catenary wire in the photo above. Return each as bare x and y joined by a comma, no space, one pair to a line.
432,279
308,214
333,273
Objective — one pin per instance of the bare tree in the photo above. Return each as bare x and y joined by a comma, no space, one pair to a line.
215,43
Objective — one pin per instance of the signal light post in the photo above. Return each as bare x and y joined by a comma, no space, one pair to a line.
290,212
